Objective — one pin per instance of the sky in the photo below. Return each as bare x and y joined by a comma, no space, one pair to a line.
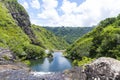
74,13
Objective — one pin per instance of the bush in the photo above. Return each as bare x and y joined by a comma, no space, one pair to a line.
6,57
107,22
85,60
27,62
34,52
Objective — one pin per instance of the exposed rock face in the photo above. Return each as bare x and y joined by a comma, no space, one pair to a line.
21,17
6,56
103,69
76,73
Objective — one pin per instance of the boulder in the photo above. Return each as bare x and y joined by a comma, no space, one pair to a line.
100,69
103,69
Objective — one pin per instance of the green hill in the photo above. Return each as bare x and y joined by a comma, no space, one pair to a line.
47,39
70,34
23,39
104,40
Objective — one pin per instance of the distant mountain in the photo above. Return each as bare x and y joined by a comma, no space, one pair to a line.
70,34
104,40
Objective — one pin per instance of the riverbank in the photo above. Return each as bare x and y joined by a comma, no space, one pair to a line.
100,69
10,69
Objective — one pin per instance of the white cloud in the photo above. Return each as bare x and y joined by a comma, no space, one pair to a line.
89,13
68,7
25,5
35,4
50,4
49,12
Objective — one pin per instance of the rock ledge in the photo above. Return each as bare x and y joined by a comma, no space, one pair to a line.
101,69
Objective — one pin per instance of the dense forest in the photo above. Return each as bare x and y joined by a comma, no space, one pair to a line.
70,34
26,41
104,40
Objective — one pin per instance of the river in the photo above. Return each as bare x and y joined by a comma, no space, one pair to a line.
56,64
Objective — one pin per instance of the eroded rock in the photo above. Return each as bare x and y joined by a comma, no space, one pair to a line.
103,69
21,17
76,73
6,55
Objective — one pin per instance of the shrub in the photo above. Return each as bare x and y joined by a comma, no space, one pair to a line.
33,52
85,60
27,62
6,57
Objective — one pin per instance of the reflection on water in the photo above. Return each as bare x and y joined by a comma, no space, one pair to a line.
58,63
45,65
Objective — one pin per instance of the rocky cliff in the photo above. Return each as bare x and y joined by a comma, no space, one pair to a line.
19,36
21,18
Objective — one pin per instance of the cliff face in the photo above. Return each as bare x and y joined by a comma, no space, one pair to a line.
16,33
18,13
21,17
19,36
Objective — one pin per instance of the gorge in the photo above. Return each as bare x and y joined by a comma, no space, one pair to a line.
88,55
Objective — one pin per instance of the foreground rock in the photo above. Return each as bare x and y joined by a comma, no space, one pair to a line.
6,54
103,69
100,69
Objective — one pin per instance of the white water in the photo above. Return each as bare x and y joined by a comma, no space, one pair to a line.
40,73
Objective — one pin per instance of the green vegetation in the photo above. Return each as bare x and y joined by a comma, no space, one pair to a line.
85,60
13,36
70,34
28,41
104,40
6,57
48,39
15,4
27,62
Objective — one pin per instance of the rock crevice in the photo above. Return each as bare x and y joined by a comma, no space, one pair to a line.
103,69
